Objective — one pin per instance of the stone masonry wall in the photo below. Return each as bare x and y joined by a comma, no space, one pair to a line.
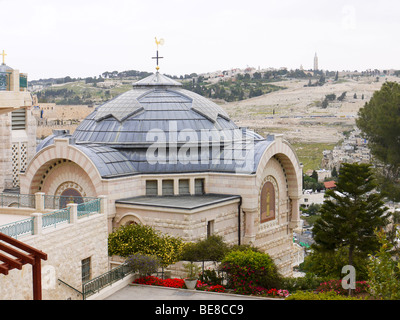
66,246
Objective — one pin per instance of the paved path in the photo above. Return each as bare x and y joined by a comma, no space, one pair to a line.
146,292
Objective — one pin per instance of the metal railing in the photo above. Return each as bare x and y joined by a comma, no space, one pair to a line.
71,287
56,217
87,208
17,200
95,285
59,202
18,228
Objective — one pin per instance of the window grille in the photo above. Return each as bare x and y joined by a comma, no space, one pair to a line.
18,118
19,161
86,269
151,188
199,186
168,187
184,186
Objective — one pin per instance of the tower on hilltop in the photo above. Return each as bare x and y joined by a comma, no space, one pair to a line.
315,62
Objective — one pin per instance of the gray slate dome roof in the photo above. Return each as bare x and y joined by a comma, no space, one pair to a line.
155,102
160,105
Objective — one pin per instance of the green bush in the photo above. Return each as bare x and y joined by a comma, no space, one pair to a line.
211,277
143,264
384,270
248,269
309,295
309,282
135,238
211,249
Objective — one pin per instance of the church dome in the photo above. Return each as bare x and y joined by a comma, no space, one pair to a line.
157,109
156,102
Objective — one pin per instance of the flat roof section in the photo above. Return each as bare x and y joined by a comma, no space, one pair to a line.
186,202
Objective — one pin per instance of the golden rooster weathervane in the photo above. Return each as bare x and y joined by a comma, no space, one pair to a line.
158,42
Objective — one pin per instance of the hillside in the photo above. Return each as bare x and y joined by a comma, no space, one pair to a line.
298,115
296,112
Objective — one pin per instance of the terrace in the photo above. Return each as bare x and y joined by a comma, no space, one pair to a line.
27,214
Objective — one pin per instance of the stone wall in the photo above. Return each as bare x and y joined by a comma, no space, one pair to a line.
66,246
190,225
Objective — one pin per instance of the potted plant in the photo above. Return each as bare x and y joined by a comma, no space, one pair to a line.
192,272
190,253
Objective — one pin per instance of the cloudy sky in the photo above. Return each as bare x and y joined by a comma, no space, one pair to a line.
54,38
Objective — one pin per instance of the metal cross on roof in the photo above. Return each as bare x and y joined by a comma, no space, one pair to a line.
3,54
160,42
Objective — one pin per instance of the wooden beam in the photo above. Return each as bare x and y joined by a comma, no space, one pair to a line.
4,269
11,262
24,257
23,246
37,279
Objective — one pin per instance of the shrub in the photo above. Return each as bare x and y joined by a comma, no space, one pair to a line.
336,286
154,281
329,295
143,264
135,238
248,269
211,277
177,283
384,270
207,287
211,249
309,282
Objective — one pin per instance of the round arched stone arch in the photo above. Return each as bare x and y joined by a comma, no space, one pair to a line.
284,153
129,218
69,162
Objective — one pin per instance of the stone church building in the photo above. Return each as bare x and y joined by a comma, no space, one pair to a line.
167,157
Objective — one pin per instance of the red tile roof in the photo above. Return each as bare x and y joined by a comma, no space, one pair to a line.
329,184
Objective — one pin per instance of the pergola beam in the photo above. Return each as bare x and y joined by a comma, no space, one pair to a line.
24,257
4,269
23,246
13,263
34,258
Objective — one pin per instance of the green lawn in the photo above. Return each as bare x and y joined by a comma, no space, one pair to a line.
310,154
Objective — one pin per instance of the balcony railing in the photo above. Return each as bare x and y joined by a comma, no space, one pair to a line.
87,208
17,200
54,218
70,213
59,202
18,228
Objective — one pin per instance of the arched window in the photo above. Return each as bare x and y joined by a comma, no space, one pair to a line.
70,195
267,205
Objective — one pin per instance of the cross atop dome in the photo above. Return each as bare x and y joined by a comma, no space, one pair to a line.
158,42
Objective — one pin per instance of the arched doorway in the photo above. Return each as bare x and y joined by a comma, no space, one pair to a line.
70,195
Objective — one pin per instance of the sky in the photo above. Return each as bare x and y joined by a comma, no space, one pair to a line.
54,38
